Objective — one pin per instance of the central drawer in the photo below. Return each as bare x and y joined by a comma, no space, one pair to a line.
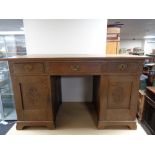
28,68
74,68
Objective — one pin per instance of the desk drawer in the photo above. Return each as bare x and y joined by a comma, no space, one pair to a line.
71,68
28,68
123,67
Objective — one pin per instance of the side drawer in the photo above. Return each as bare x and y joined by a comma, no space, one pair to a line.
74,68
123,67
28,68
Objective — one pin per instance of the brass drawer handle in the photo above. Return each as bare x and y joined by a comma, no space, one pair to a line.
122,67
28,67
75,67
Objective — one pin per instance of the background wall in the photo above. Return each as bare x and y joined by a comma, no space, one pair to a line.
131,43
68,37
149,45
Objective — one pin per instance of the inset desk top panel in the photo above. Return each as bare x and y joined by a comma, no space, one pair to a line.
74,57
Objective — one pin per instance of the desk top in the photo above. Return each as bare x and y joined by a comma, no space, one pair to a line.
73,57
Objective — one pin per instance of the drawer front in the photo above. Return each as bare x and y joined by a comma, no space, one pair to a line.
28,68
124,67
74,68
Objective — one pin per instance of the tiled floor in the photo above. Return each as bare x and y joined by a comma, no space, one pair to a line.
76,119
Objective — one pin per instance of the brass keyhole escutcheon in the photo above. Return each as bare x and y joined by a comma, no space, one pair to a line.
75,67
122,67
28,67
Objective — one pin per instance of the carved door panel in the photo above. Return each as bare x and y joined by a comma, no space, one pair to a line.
120,96
32,95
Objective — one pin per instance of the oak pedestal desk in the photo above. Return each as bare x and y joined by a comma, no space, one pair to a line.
37,87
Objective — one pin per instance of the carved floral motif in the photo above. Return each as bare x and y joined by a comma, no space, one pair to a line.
33,95
117,94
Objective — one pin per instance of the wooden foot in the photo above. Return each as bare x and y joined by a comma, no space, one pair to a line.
21,124
133,126
50,126
114,124
100,125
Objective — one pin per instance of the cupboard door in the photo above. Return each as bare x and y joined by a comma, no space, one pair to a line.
32,95
120,97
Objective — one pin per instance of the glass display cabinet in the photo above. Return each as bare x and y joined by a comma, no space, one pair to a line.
10,45
6,96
